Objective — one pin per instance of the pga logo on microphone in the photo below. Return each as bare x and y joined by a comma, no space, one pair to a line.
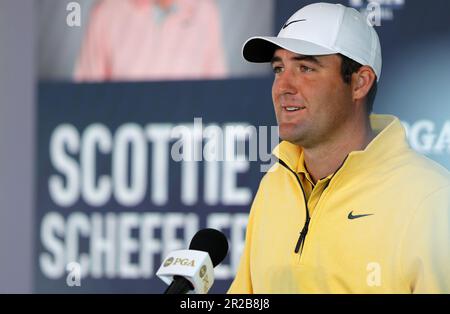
179,261
185,262
195,266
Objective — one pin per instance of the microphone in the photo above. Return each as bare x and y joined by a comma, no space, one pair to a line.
193,270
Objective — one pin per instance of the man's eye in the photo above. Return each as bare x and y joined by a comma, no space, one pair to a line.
277,70
304,68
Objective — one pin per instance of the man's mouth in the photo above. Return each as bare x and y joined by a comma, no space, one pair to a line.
292,109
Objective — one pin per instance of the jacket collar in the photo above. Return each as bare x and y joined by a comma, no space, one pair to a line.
390,141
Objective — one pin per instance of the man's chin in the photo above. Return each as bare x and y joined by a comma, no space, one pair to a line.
290,138
289,133
293,137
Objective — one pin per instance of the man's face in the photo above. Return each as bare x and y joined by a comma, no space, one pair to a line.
312,102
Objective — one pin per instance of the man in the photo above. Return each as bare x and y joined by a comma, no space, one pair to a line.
152,40
349,207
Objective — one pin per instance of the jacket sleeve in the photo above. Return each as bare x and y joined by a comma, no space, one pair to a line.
426,249
242,283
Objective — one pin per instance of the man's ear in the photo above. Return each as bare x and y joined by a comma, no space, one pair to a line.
362,81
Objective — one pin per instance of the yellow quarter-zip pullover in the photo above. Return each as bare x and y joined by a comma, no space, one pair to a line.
379,224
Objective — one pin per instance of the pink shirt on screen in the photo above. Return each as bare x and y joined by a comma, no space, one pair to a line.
129,40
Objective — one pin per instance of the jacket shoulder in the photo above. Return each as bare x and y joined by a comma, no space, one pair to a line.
428,170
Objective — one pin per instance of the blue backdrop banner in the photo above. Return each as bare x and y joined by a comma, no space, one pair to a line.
129,172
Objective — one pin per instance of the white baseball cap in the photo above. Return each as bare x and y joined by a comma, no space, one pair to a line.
321,29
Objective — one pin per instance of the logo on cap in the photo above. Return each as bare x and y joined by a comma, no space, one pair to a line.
291,22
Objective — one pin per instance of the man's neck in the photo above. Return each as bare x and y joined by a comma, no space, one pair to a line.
326,158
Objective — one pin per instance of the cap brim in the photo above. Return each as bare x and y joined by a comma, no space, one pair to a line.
261,49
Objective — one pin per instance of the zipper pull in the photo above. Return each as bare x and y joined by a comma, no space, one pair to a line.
302,237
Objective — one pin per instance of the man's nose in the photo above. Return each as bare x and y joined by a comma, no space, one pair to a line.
285,84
